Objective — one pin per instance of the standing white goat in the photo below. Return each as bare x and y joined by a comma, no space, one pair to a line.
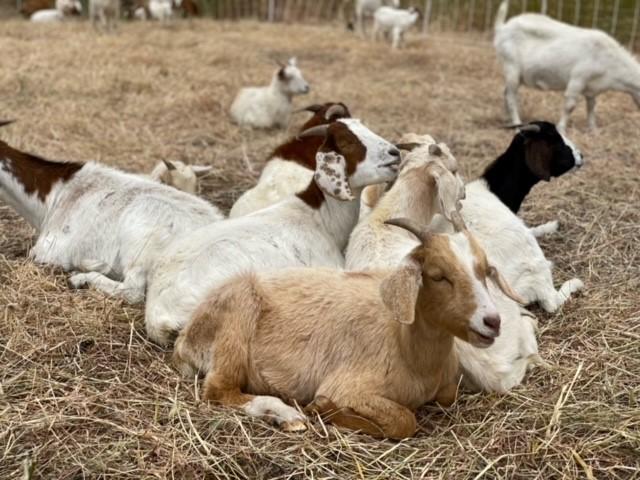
267,107
394,21
546,54
107,12
366,8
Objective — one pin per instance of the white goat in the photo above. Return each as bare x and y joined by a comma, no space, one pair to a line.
543,53
394,21
179,175
96,218
54,15
307,229
366,8
267,107
365,348
107,12
156,10
290,166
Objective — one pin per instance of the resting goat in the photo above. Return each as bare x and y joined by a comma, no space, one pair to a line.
363,349
179,175
290,166
549,55
93,217
267,107
310,228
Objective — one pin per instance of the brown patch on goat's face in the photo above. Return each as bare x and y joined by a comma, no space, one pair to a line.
481,264
341,140
36,174
447,298
303,150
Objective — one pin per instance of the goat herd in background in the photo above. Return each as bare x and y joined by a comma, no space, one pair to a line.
359,278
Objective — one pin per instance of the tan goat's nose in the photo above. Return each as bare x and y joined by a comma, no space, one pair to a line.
493,322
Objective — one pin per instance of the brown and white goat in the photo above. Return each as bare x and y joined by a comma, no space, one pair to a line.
363,349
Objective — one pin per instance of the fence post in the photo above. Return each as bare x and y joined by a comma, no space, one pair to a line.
634,28
614,20
576,17
596,7
524,6
543,7
472,14
271,14
427,16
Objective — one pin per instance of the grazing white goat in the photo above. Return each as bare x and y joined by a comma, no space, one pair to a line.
156,10
53,15
179,175
364,349
310,228
267,107
543,53
394,21
107,12
290,166
366,8
96,218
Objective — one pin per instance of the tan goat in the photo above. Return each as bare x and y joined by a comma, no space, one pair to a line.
362,349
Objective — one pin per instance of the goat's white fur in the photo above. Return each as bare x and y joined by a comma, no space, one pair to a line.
266,107
57,14
543,53
395,21
290,233
365,8
107,12
181,176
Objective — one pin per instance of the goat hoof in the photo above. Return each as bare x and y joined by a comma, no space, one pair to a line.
77,281
294,426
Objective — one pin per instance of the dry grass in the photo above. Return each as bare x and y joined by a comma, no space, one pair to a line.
84,394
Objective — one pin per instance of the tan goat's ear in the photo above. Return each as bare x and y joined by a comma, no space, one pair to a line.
331,175
448,191
399,292
502,284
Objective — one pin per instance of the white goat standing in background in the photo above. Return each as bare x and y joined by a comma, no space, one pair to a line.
366,8
266,107
105,11
395,21
543,53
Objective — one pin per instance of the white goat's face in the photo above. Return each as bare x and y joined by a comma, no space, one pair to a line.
352,157
291,80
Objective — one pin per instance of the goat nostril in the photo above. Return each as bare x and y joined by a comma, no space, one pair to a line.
394,152
492,321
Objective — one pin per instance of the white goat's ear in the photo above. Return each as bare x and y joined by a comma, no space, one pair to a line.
331,175
502,284
170,166
200,170
293,61
399,292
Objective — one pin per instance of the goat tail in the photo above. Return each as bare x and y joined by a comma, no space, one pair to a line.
501,15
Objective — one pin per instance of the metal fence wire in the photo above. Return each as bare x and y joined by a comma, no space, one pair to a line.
617,17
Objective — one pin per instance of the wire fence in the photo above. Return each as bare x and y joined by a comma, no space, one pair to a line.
620,18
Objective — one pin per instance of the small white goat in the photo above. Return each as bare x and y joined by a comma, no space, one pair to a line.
267,107
107,12
91,217
54,15
364,349
156,10
394,21
366,8
307,229
179,175
543,53
290,167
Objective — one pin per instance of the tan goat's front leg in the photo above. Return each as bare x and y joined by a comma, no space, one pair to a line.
371,414
222,386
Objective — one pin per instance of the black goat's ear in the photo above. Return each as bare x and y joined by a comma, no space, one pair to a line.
538,156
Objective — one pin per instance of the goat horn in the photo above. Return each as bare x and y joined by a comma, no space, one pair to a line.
408,146
317,131
420,232
531,127
458,222
336,109
6,122
313,108
170,166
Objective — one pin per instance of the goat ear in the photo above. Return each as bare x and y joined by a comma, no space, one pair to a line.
293,61
502,284
170,166
200,170
537,156
448,191
409,146
399,292
331,175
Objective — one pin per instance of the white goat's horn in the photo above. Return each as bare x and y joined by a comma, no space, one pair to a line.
170,166
419,231
531,127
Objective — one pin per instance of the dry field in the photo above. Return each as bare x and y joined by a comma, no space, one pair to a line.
84,394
